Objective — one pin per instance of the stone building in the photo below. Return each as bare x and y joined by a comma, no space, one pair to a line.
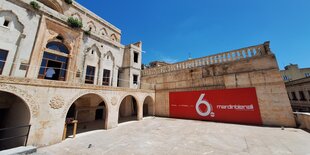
51,73
299,94
250,67
293,72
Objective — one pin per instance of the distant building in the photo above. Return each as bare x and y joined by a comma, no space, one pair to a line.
299,94
158,64
293,72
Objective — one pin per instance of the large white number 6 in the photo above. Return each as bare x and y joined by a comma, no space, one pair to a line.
201,101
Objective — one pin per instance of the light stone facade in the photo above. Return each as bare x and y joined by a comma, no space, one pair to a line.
37,45
299,94
254,66
49,69
293,72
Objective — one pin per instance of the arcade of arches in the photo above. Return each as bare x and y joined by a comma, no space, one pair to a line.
91,112
14,112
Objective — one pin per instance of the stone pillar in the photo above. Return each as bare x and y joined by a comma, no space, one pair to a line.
140,111
100,72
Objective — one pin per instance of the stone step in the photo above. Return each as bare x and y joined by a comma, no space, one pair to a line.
19,150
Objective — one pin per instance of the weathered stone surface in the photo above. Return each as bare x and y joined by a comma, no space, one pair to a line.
260,71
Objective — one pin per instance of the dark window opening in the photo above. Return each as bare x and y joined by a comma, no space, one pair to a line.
6,23
53,67
135,79
106,77
57,46
100,111
294,96
60,38
135,57
302,96
90,75
3,56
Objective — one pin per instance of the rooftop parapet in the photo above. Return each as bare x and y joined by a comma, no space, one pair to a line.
230,56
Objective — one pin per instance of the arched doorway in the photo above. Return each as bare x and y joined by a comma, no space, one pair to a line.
91,113
148,107
14,121
128,110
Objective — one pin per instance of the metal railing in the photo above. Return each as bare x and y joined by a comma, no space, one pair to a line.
9,135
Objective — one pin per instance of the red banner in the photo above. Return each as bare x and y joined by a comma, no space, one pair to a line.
227,105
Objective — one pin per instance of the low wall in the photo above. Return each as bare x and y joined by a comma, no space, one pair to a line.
302,120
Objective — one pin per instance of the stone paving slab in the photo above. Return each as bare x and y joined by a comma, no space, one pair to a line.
175,136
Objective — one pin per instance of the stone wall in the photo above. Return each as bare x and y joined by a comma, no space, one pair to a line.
227,70
49,101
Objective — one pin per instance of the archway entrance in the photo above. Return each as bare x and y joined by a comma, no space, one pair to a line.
14,121
148,107
128,109
91,113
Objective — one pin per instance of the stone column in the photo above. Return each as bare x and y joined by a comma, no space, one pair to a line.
100,71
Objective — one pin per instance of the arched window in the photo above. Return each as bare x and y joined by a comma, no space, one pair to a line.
54,62
57,46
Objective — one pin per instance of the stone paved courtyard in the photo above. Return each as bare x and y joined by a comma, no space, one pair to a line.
176,136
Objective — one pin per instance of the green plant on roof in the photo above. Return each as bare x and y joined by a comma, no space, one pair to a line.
74,22
69,1
35,5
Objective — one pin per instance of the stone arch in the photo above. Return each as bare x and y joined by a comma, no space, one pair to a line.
109,55
128,108
8,15
94,49
53,4
103,32
14,112
83,93
114,37
148,106
85,109
55,37
91,26
22,94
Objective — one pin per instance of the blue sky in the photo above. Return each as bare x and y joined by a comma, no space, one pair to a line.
173,30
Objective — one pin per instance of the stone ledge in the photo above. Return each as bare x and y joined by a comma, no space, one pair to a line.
63,84
19,150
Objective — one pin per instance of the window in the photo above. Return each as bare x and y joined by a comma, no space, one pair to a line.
6,23
302,96
57,46
90,75
106,77
294,96
3,56
54,66
135,57
135,79
307,74
285,78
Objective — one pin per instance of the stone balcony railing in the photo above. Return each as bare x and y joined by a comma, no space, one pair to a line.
231,56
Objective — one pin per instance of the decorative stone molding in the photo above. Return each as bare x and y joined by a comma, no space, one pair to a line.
57,102
114,101
28,99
